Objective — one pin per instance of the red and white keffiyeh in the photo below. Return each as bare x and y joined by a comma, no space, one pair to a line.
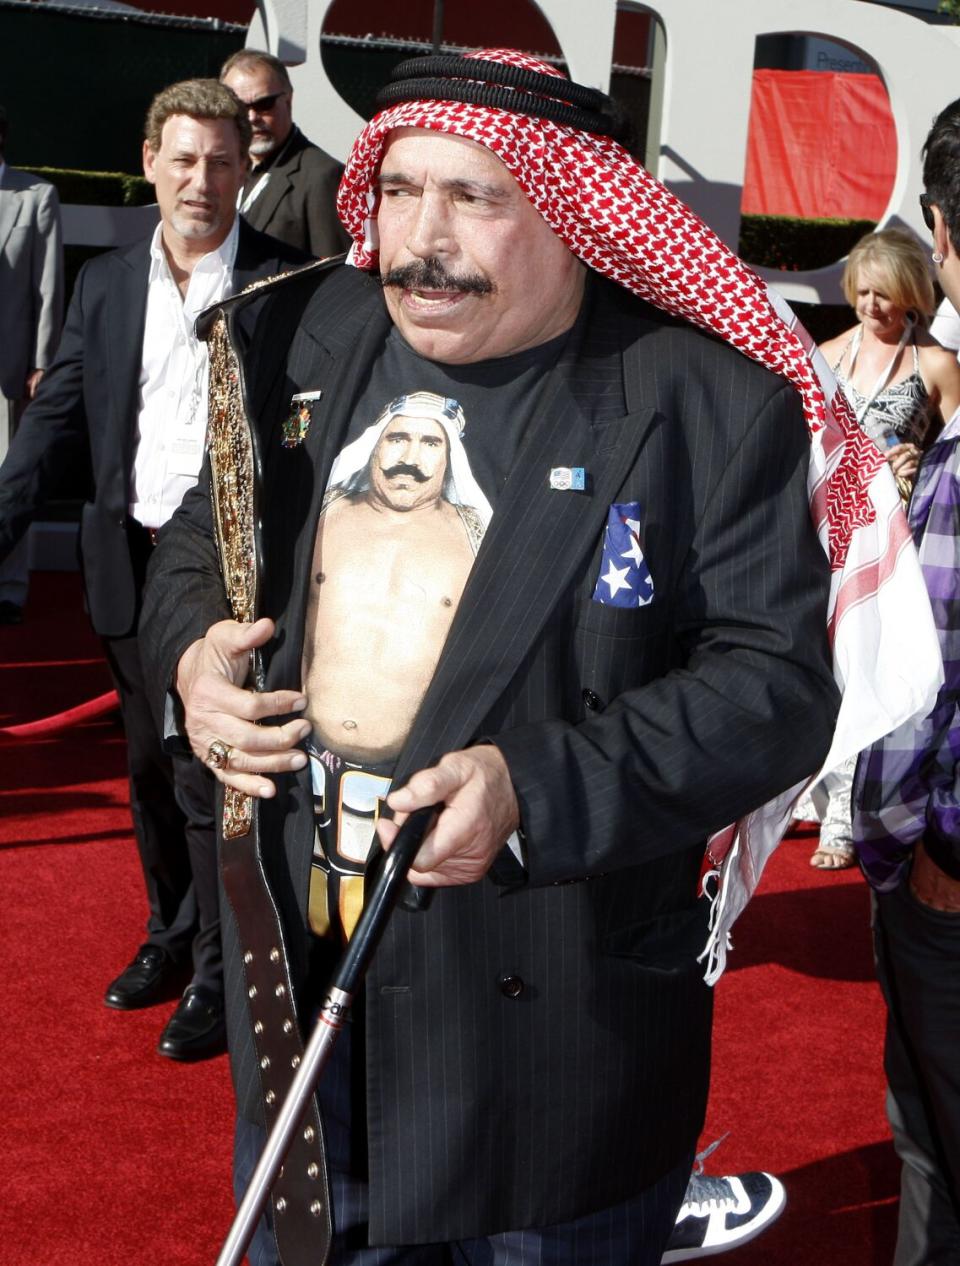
623,223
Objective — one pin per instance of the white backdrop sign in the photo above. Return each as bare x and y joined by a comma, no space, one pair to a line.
705,91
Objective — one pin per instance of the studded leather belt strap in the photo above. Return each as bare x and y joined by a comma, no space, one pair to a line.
301,1200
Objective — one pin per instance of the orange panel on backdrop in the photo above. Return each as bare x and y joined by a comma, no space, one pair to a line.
820,145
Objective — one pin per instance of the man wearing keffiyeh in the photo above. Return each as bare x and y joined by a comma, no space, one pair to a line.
529,1077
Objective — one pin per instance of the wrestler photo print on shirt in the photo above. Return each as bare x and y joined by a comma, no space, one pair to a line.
405,488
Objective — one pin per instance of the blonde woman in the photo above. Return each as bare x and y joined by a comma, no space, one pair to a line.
901,384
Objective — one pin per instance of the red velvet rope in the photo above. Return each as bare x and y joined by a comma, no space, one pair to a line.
60,721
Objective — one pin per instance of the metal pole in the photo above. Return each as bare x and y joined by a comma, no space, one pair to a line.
382,898
437,25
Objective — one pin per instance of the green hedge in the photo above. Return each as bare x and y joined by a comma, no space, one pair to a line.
98,188
824,320
792,245
93,189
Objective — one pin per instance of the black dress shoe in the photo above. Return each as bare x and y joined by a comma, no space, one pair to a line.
10,612
140,983
196,1030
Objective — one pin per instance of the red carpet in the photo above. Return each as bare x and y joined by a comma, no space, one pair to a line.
797,1076
113,1156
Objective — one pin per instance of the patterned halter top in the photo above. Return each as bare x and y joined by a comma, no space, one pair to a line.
899,414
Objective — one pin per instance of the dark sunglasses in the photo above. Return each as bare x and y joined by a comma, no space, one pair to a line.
926,212
264,104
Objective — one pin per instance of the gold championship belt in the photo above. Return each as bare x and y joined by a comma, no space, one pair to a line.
301,1201
233,483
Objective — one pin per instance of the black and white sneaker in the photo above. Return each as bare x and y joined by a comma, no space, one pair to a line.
717,1214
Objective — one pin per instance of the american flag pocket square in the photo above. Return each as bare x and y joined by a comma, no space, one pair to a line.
625,579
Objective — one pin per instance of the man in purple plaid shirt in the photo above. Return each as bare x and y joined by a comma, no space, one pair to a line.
906,825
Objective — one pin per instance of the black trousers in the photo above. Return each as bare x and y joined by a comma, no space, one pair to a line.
172,802
918,964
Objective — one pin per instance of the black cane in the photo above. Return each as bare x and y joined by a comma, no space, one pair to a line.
380,900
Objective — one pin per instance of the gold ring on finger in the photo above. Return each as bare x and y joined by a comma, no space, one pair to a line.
218,754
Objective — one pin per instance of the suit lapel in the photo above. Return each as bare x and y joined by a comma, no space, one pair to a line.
250,261
278,182
336,365
9,210
537,541
126,310
266,204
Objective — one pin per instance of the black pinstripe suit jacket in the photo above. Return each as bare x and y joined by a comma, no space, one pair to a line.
630,736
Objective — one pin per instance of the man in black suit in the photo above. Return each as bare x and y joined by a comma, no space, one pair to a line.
129,376
635,656
291,189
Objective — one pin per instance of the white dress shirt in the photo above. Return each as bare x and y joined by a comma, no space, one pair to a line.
172,421
945,327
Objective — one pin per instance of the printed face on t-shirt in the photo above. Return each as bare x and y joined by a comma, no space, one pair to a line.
409,464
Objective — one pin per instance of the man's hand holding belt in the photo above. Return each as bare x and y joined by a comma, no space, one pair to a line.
222,719
480,809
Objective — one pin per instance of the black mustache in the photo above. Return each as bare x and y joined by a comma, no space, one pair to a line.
430,274
402,468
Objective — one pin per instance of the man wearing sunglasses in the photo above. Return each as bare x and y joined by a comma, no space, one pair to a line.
292,185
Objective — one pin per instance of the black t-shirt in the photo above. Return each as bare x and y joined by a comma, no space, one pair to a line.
408,502
497,399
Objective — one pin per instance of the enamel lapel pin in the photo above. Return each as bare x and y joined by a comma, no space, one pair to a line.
568,479
297,422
